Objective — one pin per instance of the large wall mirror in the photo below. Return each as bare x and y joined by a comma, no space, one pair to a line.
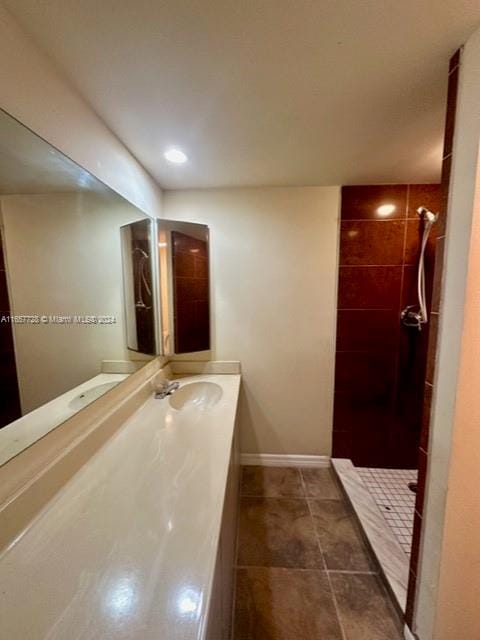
63,327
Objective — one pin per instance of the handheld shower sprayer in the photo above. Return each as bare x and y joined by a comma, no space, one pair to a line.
142,279
427,215
410,317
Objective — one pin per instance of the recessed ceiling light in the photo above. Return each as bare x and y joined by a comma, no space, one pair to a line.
175,156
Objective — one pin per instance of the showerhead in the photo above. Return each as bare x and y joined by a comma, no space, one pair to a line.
144,253
428,215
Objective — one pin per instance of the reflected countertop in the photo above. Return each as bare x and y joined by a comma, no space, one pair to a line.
20,434
127,549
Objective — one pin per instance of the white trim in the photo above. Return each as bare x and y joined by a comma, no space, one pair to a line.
281,460
407,634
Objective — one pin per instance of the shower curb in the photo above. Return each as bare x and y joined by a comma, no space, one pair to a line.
390,556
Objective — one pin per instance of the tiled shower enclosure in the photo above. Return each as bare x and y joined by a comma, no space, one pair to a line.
380,365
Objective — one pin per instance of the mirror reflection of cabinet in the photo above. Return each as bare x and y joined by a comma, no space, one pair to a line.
137,260
183,260
177,286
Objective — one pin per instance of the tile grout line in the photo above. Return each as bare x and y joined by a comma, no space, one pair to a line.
262,497
334,598
355,573
307,569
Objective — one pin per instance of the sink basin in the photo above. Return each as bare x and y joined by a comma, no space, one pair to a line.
88,396
201,395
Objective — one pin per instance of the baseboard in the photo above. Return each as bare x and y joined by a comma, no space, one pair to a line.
280,460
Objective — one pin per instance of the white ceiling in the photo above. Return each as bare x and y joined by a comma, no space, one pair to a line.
263,92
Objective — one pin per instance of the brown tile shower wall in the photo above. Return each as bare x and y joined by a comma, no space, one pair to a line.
190,293
380,366
9,399
453,77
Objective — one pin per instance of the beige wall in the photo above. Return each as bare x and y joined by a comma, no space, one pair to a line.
33,91
274,274
457,613
63,257
435,553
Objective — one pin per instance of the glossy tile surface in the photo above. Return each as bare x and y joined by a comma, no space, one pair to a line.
369,375
364,397
339,536
271,482
292,602
320,483
375,287
367,330
364,608
126,550
379,248
277,532
364,202
284,604
371,242
423,195
413,240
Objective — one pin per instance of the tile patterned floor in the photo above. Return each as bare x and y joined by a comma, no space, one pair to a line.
389,489
303,570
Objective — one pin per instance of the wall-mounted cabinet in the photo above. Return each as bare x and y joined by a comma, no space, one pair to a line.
171,314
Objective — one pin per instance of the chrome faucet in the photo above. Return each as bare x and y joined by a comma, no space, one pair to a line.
165,388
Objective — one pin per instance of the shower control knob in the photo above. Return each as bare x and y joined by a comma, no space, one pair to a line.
411,318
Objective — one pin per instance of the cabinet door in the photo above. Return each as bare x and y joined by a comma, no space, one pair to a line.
219,626
215,623
228,540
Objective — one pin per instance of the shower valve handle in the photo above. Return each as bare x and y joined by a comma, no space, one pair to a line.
411,318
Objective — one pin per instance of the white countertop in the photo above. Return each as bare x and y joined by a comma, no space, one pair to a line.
126,550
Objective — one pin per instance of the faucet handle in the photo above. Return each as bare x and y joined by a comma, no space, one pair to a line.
165,389
160,383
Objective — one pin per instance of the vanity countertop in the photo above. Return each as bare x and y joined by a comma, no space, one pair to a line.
126,551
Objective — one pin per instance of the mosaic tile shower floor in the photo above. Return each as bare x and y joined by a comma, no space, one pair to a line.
389,489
